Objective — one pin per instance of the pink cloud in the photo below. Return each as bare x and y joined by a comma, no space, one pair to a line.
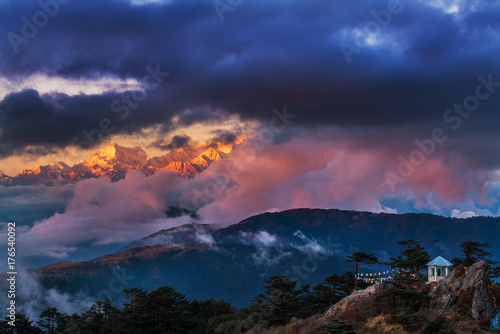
299,173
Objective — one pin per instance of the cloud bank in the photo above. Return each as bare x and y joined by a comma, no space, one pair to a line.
284,176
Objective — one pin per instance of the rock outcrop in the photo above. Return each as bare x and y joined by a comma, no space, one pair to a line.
344,304
467,290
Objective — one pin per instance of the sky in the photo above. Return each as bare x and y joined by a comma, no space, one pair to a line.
385,106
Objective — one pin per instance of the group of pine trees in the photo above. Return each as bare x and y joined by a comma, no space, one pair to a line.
165,310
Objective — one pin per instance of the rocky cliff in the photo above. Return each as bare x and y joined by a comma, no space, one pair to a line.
468,290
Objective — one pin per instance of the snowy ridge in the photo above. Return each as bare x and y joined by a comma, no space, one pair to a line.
115,161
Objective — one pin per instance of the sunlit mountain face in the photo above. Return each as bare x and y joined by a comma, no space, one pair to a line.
115,161
120,119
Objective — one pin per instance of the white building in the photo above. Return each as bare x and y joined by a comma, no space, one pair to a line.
438,269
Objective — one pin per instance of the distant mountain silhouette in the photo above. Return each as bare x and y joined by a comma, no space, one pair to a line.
233,262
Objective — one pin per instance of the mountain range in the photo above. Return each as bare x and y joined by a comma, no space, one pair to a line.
115,161
204,261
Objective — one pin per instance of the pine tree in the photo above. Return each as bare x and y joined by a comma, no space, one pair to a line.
169,312
348,281
281,301
361,258
410,262
334,281
203,311
23,325
473,252
324,294
134,309
51,321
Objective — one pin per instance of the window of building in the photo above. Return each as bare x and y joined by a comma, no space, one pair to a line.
441,271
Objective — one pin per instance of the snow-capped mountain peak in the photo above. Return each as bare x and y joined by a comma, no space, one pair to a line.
114,154
115,161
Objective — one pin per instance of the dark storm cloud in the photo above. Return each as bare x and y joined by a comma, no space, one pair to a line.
55,121
264,54
225,137
179,141
200,114
176,142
